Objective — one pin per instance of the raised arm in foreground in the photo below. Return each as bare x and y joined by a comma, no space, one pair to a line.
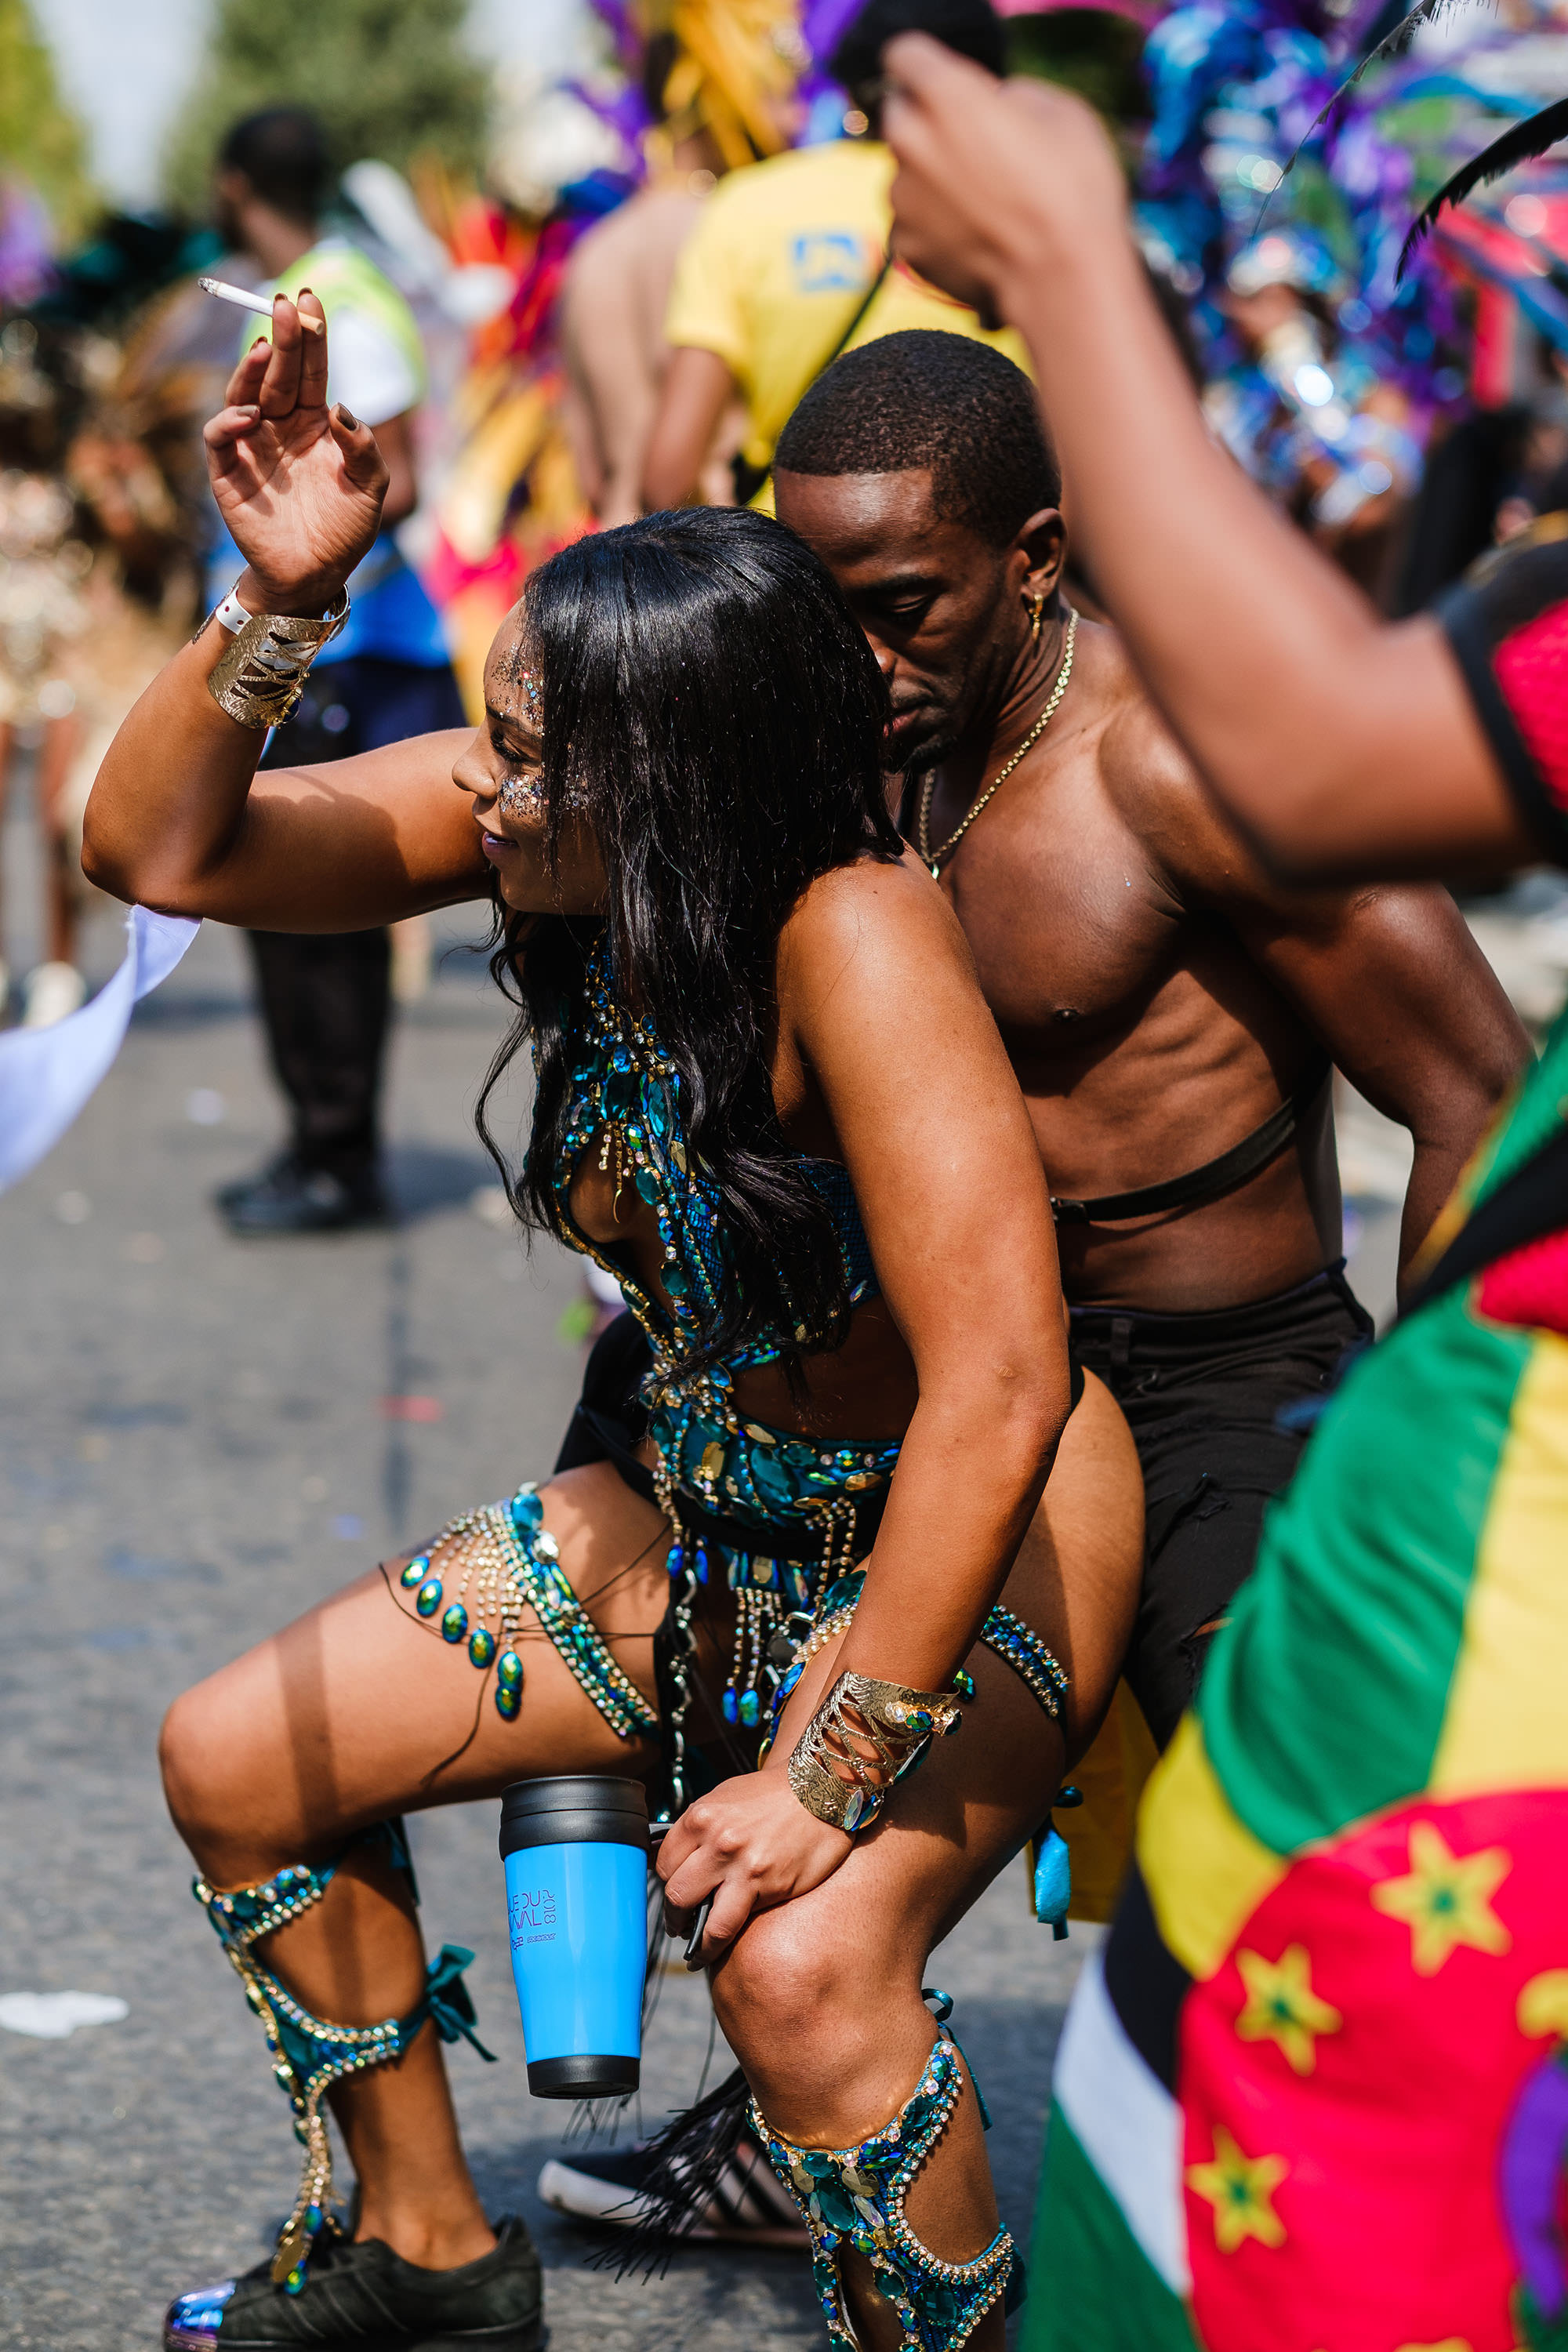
1343,744
174,818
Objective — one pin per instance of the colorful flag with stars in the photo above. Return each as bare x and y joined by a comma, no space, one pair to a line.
1312,2095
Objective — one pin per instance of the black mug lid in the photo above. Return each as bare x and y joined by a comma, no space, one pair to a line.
574,1809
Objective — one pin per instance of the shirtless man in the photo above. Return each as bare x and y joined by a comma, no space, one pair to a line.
1171,1014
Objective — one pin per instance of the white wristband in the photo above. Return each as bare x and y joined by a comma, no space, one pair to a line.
231,613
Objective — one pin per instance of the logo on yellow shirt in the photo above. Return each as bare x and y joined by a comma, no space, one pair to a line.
830,261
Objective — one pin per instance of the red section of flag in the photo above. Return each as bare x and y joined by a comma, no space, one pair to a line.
1532,667
1391,2223
1529,1286
411,1408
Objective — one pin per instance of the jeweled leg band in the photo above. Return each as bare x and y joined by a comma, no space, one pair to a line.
310,2053
1017,1644
855,2197
485,1564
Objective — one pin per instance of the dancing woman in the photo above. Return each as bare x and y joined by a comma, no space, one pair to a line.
770,1097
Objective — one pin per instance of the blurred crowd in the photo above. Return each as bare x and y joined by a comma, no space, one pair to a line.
622,308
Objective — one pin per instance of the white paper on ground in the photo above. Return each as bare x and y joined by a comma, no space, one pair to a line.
50,2016
48,1076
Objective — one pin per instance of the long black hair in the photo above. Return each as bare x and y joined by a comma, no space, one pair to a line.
711,710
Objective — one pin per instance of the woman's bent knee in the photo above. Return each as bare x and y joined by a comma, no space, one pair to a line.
778,1986
187,1755
214,1778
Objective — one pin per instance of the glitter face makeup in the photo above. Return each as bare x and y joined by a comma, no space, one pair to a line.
522,798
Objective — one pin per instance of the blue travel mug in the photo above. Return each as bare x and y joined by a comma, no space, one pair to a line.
575,1852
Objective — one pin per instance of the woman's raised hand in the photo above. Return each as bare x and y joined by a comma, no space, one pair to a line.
300,485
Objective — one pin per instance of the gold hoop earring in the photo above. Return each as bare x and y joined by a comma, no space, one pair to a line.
1036,619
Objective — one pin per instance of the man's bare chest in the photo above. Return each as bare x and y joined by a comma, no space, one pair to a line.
1074,940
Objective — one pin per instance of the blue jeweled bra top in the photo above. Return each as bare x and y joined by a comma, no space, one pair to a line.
627,1091
626,1098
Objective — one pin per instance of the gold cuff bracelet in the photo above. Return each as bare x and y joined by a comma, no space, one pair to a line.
829,1771
262,672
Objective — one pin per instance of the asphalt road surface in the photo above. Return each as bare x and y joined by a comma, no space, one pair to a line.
195,1444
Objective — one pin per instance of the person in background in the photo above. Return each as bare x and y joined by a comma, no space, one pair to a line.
714,107
326,1001
44,563
789,266
613,335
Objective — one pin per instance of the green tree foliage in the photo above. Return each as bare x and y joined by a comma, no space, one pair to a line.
1091,50
390,78
41,141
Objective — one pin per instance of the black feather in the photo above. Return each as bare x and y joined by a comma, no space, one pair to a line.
686,2162
1394,41
1398,37
1519,144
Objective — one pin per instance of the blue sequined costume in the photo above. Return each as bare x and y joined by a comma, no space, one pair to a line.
796,1514
768,1487
626,1098
782,1518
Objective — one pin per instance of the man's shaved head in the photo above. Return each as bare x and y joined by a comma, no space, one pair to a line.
924,402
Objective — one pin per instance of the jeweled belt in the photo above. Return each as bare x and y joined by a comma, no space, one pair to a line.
799,1542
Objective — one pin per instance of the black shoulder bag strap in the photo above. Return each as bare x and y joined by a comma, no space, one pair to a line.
1526,1207
749,479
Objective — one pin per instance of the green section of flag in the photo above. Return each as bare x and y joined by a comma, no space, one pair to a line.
1542,1106
1324,1699
1091,2288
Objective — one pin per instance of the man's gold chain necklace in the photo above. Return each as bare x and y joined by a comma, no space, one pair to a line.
937,859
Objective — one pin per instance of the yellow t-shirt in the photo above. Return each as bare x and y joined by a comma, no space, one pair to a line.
777,264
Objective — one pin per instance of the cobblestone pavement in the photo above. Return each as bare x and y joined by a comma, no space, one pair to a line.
191,1449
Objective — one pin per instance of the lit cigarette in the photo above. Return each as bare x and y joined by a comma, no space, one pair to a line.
256,302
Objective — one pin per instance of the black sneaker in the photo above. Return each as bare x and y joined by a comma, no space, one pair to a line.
364,2296
288,1198
749,2207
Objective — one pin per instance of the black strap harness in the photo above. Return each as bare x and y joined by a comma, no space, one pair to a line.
1216,1176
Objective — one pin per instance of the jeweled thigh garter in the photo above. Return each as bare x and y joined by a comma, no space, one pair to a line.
488,1566
1003,1631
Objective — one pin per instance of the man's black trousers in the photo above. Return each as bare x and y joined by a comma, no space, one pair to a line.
1220,1405
325,1000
